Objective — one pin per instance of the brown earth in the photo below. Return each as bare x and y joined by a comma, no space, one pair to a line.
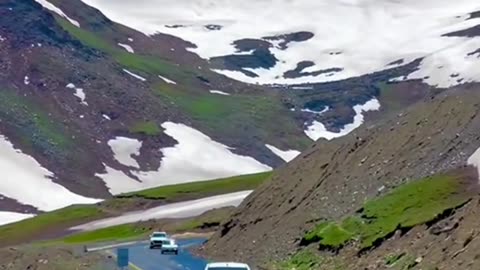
53,258
333,179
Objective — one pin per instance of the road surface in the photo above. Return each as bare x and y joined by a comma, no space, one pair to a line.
174,210
144,258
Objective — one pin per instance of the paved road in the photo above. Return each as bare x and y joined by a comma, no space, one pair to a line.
146,259
174,210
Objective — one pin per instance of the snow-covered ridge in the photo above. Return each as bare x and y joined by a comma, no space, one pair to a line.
317,130
55,9
370,35
25,180
196,157
287,155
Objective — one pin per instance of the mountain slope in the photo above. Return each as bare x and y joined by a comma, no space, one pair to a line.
332,179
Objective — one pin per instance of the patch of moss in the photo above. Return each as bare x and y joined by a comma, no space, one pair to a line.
409,205
148,128
32,124
135,62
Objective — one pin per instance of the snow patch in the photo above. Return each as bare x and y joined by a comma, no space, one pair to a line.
106,117
130,39
124,148
196,157
128,48
53,8
285,155
219,92
317,130
474,160
25,180
167,80
372,34
317,112
450,66
134,75
78,93
26,80
2,39
174,210
11,217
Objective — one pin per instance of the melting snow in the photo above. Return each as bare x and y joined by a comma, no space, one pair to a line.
317,112
285,155
219,92
317,130
124,148
135,75
371,34
196,157
53,8
78,93
167,80
26,80
11,217
128,48
174,210
25,180
474,160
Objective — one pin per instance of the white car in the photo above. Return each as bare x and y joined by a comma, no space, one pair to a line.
169,246
157,238
227,266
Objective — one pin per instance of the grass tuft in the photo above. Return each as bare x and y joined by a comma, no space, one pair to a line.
148,128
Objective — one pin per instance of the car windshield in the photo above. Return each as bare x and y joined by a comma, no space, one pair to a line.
159,235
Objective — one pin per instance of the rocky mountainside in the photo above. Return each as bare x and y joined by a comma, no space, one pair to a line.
333,179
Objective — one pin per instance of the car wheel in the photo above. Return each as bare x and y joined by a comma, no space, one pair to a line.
176,252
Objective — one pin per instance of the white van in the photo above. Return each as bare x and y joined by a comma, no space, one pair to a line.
227,266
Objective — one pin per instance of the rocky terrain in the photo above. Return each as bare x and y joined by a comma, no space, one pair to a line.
332,180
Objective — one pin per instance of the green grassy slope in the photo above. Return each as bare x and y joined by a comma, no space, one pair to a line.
406,206
197,190
52,222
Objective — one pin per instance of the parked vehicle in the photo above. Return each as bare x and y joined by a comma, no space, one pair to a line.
227,266
169,246
157,238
